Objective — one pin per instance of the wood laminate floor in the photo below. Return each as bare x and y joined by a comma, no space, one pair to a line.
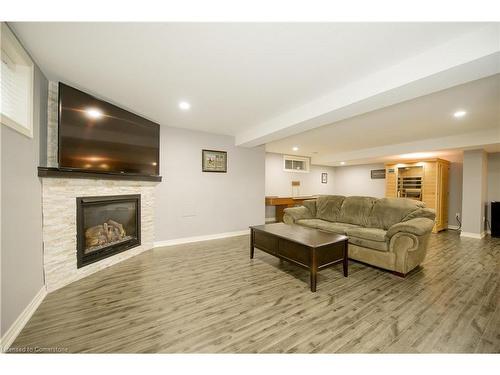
210,297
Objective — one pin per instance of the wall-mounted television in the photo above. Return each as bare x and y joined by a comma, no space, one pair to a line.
97,136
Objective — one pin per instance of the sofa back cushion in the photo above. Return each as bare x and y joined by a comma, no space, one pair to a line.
328,207
310,204
389,211
356,210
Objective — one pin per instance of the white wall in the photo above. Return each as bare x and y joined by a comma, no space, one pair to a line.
356,180
475,181
190,202
21,216
279,182
493,180
455,193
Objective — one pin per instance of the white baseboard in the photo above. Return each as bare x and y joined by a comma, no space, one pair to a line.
473,235
270,219
454,227
179,241
22,319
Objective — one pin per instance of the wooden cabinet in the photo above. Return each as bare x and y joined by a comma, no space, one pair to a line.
425,180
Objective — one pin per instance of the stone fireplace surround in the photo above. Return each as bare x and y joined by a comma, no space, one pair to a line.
59,212
59,225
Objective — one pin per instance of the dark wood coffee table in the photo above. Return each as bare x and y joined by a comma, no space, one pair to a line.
309,248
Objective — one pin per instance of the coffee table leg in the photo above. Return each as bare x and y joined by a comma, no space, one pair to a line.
346,259
251,243
314,275
313,270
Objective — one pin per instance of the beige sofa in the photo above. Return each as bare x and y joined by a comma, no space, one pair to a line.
391,233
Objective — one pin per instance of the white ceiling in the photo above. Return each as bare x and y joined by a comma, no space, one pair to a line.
239,75
406,123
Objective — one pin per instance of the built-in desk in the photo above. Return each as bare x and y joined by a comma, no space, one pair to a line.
284,202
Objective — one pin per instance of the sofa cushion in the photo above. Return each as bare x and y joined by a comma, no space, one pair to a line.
339,228
310,204
311,223
388,211
356,210
328,207
372,234
375,245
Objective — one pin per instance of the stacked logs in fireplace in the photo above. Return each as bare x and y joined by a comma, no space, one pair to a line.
102,235
106,225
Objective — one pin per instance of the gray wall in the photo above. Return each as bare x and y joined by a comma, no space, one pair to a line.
475,180
22,263
191,203
279,182
356,180
493,180
455,192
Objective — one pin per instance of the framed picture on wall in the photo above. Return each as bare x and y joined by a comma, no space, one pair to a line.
377,174
324,178
214,161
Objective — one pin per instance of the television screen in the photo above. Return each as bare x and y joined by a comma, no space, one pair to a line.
98,136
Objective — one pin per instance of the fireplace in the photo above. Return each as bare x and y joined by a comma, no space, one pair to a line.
106,225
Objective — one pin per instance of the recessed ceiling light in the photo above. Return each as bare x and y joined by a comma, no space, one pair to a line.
459,114
295,148
342,163
184,106
94,113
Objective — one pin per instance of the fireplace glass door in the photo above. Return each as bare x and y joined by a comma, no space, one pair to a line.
106,225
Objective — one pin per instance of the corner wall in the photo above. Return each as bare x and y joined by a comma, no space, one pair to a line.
475,188
192,203
493,180
21,257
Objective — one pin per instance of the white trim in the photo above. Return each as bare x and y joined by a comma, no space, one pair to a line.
454,227
473,235
208,237
22,319
270,219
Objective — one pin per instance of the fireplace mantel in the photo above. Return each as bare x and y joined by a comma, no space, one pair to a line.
48,172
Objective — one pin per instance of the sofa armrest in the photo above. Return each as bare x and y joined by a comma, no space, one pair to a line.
419,226
298,213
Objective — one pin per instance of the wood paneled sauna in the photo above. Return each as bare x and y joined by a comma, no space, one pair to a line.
424,180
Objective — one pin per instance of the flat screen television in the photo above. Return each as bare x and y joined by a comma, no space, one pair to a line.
97,136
